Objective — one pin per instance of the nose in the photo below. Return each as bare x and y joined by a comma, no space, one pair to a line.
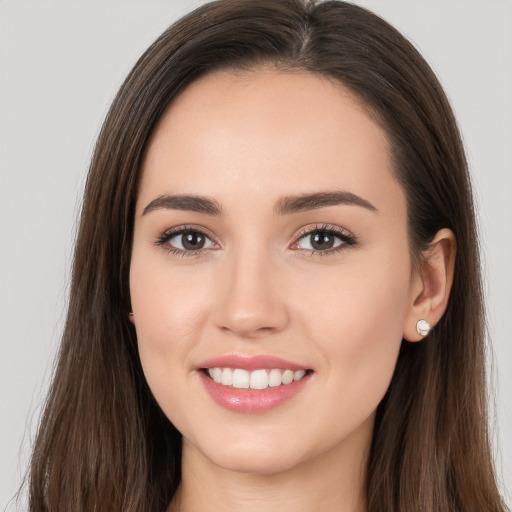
251,301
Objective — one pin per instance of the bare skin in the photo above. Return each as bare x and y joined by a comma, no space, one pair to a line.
256,282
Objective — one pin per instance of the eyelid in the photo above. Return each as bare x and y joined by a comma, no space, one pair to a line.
323,227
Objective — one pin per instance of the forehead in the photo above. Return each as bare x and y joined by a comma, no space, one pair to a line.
268,133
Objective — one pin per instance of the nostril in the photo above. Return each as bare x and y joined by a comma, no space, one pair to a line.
248,333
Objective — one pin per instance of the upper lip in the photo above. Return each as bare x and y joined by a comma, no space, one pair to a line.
250,363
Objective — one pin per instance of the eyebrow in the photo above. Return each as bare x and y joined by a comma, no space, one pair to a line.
284,206
191,203
293,204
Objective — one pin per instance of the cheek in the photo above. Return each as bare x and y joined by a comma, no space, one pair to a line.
357,325
169,313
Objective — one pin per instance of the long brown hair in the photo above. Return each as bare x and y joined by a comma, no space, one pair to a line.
103,442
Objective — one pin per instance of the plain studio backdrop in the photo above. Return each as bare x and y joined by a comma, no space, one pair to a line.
61,62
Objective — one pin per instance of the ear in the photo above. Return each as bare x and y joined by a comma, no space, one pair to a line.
431,284
131,317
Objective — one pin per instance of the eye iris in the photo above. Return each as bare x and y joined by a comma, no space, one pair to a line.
192,241
322,240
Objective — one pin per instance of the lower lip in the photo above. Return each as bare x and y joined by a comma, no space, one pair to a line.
252,401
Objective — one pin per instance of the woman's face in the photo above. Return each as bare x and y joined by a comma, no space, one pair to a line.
270,235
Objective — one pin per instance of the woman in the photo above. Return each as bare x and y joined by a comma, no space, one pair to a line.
275,295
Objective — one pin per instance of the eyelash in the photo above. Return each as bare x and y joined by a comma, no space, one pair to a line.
162,240
347,239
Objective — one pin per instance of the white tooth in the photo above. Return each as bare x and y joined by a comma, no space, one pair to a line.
259,379
274,378
240,379
210,372
217,375
287,377
227,377
299,374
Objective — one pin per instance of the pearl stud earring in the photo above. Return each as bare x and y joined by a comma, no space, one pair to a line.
423,327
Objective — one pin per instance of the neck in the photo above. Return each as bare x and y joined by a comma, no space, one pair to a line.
332,481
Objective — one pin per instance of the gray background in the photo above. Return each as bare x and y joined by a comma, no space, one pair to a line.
61,63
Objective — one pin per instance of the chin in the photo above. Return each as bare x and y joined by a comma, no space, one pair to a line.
260,464
261,458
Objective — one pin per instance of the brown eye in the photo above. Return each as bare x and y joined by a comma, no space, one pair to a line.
324,239
192,240
320,241
187,241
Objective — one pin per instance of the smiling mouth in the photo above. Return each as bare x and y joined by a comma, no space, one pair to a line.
239,378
